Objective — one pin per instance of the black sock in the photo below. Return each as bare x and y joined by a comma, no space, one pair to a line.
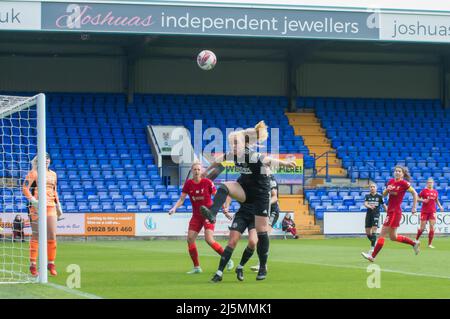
374,239
263,249
219,198
246,255
370,238
225,258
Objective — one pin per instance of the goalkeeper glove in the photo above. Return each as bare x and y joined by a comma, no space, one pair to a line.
34,202
59,211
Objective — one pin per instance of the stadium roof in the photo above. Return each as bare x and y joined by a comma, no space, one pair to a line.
408,5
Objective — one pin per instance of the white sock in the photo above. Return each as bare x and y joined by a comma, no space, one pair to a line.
219,273
240,266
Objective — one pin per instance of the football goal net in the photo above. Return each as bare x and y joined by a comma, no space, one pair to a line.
22,136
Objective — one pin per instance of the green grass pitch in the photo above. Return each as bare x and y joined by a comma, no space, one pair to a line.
304,268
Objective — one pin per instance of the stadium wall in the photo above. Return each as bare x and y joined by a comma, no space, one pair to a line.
62,74
182,76
369,80
91,73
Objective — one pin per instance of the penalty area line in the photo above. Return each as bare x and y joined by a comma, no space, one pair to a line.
74,291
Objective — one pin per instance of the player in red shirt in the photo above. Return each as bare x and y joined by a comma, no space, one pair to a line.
396,188
429,197
199,190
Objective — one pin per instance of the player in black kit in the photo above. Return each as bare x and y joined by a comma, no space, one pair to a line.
252,187
373,202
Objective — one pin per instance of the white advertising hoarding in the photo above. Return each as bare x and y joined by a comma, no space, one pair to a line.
20,15
72,224
342,223
161,224
414,27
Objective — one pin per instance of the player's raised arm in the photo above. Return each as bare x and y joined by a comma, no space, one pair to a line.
271,161
178,203
415,196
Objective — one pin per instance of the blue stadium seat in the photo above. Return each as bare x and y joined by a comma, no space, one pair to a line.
156,208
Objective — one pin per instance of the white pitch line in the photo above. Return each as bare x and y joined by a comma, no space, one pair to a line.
74,291
381,268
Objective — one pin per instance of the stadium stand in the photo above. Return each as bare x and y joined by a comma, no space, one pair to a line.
371,136
100,152
99,148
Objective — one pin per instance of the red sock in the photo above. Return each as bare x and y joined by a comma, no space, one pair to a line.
419,233
430,236
216,246
405,240
293,231
194,254
378,246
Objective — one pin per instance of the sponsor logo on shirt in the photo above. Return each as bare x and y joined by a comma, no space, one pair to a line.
243,169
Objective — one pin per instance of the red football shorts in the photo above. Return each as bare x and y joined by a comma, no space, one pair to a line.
427,216
393,219
198,222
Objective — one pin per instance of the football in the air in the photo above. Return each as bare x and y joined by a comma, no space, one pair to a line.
206,60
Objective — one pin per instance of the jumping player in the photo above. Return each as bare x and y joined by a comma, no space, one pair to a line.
429,197
373,202
199,190
252,187
396,188
54,210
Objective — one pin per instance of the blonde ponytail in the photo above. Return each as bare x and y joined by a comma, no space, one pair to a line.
261,131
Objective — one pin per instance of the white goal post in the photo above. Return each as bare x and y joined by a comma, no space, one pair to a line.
22,133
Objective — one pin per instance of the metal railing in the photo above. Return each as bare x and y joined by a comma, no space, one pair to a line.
371,171
317,172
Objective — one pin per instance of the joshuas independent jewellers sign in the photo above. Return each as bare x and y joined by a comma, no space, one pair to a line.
169,19
225,21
